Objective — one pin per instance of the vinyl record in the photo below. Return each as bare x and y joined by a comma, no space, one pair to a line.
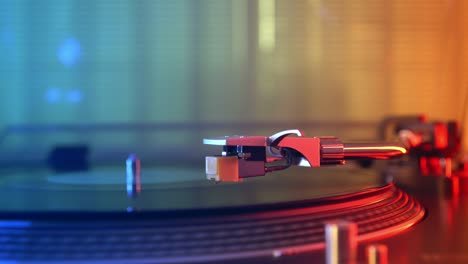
171,188
178,216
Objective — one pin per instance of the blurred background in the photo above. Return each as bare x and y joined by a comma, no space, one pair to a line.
154,77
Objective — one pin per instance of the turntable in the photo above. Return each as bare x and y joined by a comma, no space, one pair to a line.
56,217
171,214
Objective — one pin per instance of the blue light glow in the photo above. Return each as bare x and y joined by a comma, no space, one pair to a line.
7,36
53,95
69,52
6,224
75,96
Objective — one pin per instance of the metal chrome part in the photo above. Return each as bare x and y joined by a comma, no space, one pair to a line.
273,140
133,181
248,156
341,242
377,254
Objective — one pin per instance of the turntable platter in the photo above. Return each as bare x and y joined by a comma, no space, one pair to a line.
179,217
172,188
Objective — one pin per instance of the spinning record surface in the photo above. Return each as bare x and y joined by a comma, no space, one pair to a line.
180,217
172,188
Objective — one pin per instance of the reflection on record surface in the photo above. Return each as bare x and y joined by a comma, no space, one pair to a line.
171,188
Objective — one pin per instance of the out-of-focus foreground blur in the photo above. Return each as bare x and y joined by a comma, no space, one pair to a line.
144,63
